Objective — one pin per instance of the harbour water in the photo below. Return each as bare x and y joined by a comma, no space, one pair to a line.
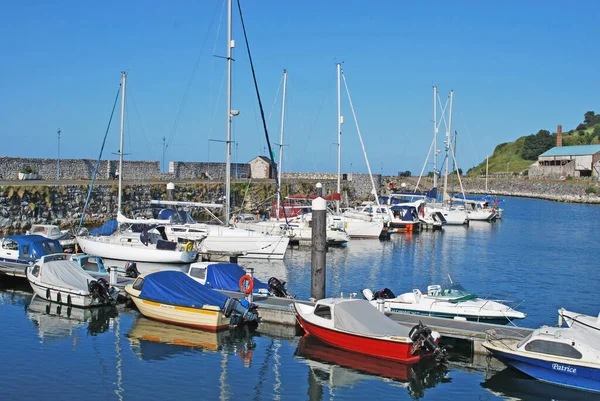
543,256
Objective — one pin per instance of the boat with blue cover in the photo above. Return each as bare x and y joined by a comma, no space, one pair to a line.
173,297
566,356
18,251
229,276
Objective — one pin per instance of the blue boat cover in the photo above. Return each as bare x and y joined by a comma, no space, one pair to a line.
176,288
226,276
107,229
35,246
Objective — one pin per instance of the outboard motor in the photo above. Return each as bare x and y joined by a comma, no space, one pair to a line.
423,337
386,293
278,288
242,311
131,270
101,291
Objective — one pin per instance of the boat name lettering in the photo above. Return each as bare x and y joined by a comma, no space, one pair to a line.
564,368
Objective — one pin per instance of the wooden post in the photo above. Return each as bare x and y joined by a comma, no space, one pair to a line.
319,248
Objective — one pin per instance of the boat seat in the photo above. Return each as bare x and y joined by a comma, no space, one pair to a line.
166,245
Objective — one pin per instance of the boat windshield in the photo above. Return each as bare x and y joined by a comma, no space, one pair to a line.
453,291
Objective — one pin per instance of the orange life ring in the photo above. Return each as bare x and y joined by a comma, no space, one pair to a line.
246,284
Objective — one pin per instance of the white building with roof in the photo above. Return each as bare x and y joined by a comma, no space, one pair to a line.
564,161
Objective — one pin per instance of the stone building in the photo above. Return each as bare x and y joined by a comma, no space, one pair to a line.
261,167
563,161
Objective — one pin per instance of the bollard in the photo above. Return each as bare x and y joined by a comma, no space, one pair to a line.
319,189
112,272
250,272
170,191
319,248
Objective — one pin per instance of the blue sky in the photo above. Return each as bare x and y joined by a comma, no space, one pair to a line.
515,67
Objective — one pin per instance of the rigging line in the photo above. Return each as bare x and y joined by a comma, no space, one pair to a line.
262,112
213,103
87,200
361,140
275,99
140,118
189,84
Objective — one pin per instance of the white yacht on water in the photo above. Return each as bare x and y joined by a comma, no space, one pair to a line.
147,246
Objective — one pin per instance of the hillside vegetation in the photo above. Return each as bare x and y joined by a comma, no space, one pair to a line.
515,157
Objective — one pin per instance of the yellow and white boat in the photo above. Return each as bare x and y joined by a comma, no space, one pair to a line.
173,297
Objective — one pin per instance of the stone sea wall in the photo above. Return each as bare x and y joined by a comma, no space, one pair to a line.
207,171
577,191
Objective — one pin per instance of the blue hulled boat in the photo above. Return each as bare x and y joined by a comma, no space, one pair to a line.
566,356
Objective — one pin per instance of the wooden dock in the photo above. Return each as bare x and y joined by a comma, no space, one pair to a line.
277,314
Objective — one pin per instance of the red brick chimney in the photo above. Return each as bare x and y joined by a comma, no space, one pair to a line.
559,136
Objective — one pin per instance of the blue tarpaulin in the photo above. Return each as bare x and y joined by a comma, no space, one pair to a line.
35,246
107,229
226,276
176,288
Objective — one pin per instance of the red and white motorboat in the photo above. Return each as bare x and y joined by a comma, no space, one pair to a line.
354,325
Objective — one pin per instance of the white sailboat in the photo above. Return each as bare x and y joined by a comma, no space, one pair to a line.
227,239
130,246
297,228
452,215
355,223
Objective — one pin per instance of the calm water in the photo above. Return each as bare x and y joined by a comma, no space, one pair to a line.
543,254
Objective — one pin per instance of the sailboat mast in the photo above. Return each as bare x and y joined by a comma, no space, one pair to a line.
123,81
448,145
435,130
230,45
487,159
279,168
339,143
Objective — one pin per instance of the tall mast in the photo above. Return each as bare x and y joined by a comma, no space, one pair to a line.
435,174
123,81
448,147
230,45
339,143
487,159
279,169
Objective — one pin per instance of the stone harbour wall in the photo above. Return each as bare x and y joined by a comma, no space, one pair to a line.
207,171
73,169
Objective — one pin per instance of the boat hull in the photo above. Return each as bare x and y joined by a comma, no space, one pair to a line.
200,318
449,315
380,348
106,249
569,375
363,229
253,246
62,296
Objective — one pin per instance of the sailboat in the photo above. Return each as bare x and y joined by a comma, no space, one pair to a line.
124,245
452,215
356,223
226,238
296,225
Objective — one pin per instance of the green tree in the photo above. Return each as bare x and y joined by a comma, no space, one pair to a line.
588,117
537,144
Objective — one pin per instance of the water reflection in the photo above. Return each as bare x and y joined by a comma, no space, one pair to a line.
151,340
55,321
15,291
334,367
516,385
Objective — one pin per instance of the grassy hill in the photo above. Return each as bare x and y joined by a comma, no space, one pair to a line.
509,157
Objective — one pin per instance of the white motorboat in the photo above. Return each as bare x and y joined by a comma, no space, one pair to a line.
452,302
58,278
567,357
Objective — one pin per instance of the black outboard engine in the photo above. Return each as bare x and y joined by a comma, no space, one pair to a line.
421,336
240,311
386,293
131,270
101,291
278,288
